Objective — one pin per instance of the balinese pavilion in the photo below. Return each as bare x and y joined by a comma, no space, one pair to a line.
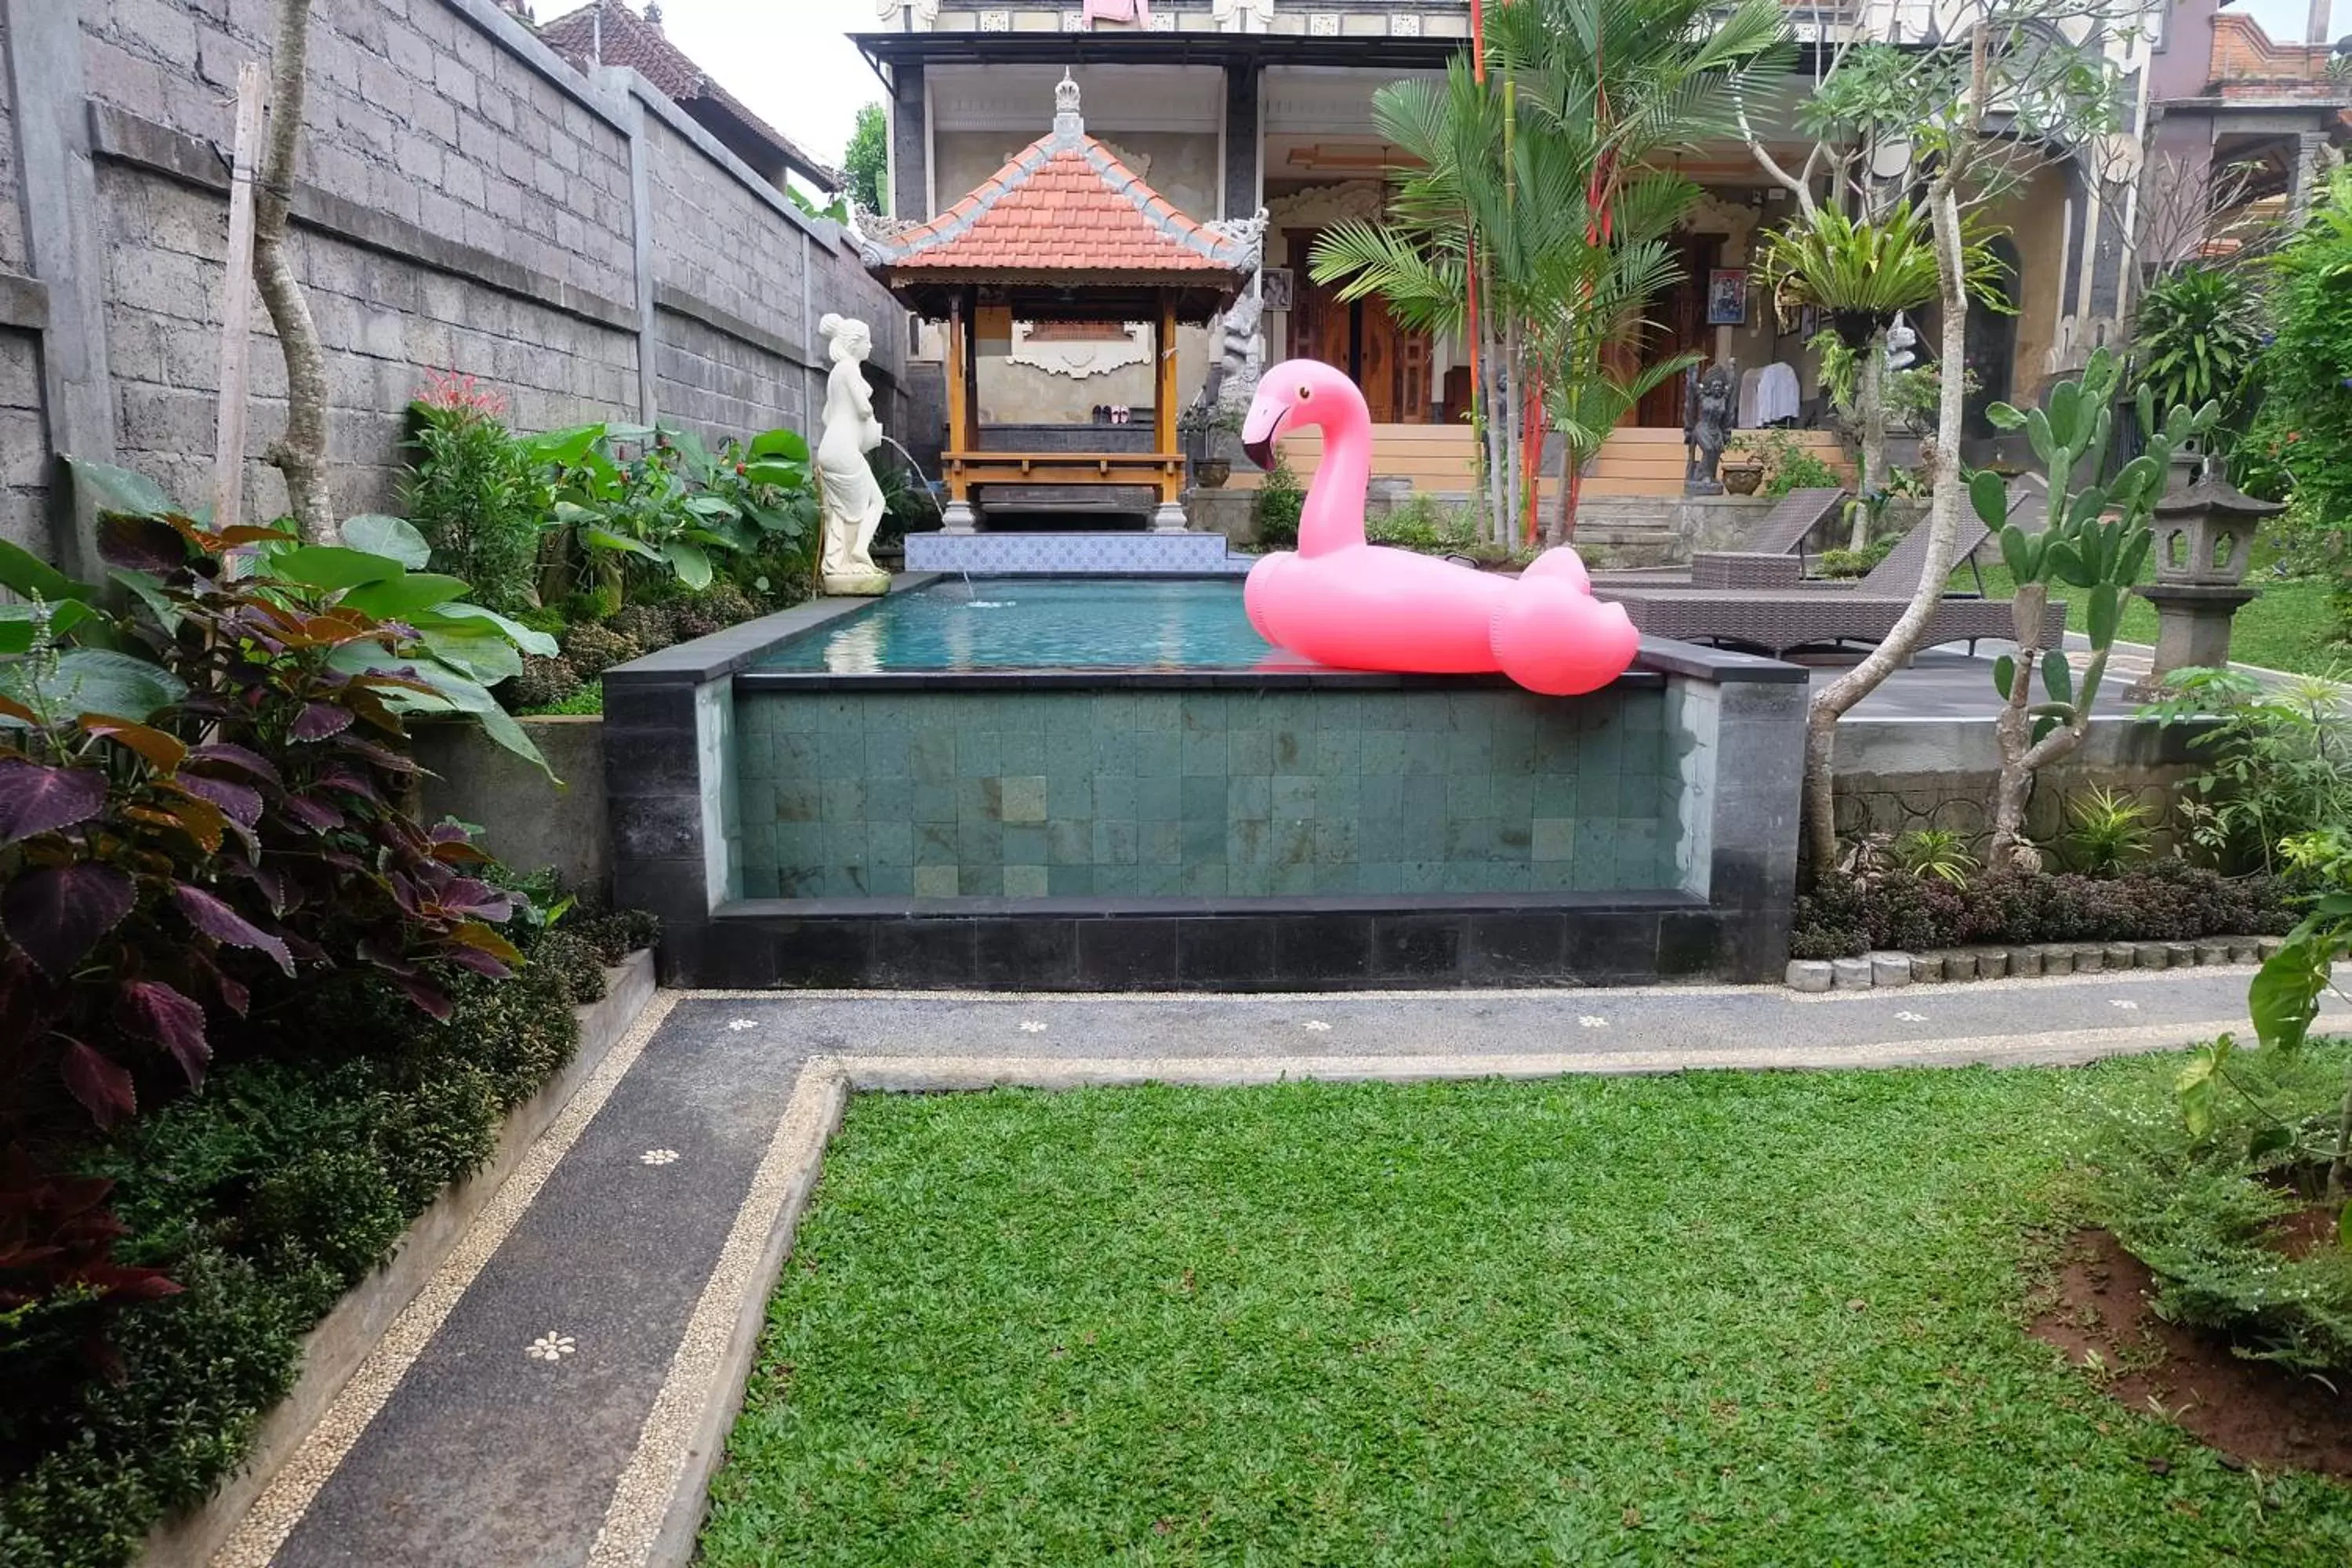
1067,238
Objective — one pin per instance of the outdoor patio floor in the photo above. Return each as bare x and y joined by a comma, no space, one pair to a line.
467,1449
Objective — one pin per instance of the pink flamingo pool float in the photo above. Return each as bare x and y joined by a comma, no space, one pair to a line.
1342,602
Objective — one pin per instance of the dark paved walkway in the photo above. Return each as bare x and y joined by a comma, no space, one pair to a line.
500,1446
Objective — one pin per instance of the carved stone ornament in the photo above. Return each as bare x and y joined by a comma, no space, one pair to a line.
1079,358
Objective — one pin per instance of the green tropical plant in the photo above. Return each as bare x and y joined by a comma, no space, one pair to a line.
2197,338
866,164
1787,466
1936,852
2307,373
1274,510
2097,540
2279,760
469,491
1548,172
2108,830
1862,271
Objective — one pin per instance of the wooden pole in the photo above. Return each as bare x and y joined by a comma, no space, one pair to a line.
957,444
971,370
1164,398
236,301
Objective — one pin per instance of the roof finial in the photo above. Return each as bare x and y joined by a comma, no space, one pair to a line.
1065,106
654,12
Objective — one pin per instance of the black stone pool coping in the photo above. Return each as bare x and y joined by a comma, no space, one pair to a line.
660,808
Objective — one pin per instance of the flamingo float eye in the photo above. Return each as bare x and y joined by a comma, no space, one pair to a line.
1305,392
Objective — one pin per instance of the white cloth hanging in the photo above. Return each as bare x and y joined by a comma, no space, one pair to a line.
1136,11
1751,398
1778,399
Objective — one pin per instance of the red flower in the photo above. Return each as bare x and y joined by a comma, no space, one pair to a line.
449,390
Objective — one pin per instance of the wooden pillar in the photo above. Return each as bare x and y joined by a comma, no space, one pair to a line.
957,516
1165,393
1170,518
971,370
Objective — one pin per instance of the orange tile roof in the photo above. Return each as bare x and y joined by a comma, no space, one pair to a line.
1066,205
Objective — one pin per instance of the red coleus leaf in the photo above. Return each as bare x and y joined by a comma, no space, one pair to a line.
162,752
154,1011
426,997
316,815
350,782
320,720
103,1088
222,757
212,916
36,799
55,914
478,962
140,543
383,757
385,956
241,801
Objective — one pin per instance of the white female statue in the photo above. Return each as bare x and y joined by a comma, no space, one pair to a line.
846,483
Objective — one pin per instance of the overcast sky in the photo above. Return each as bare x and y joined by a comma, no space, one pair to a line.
789,60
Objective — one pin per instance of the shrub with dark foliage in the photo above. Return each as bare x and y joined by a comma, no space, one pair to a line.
2169,900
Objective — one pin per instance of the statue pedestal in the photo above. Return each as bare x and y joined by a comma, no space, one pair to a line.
957,517
857,585
2192,628
1169,518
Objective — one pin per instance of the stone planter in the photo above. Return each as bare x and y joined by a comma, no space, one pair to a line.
1741,478
1211,473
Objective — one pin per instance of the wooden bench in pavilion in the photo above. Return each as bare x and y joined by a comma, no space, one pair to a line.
1064,232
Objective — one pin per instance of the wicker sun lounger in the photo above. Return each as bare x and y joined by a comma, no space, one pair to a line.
1774,557
1777,620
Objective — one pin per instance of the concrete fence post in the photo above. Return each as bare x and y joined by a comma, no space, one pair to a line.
64,250
641,231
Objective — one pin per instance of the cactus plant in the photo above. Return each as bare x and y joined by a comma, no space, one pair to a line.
2097,540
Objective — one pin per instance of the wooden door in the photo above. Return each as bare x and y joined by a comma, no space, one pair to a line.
1361,337
1678,324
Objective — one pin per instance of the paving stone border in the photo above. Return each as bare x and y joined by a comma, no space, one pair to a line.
1883,970
335,1351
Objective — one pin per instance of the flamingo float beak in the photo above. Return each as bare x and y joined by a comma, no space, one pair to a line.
1257,444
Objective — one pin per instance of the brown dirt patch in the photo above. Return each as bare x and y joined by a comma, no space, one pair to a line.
2252,1412
2298,1235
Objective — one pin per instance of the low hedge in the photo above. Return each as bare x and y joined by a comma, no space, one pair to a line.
267,1195
2168,901
2214,1213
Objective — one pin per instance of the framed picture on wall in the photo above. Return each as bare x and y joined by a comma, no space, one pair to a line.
1277,288
1727,297
1809,322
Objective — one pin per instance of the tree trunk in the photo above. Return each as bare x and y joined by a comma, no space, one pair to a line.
1832,702
1492,424
301,453
2021,756
1870,401
1571,490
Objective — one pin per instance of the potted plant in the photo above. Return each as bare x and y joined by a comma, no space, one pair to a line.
1860,273
1201,425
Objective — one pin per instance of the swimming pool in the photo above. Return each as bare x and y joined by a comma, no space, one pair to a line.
1113,783
1043,623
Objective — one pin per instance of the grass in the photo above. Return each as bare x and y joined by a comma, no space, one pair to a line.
589,698
1719,1319
2289,628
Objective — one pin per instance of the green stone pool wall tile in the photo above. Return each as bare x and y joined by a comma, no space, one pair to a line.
1026,881
936,882
1232,792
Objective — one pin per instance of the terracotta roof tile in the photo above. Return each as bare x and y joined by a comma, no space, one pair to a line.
605,32
1065,204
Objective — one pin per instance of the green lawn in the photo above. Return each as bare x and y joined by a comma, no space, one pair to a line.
1712,1318
2288,627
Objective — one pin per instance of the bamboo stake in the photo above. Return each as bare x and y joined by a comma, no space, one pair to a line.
236,302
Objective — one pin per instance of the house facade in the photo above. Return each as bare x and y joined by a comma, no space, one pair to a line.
1231,106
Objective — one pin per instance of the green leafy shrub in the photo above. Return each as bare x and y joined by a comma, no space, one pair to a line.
470,492
2278,761
1423,523
2168,901
265,1198
2204,1206
1937,852
542,683
2107,830
2307,374
592,650
1847,563
2197,338
1276,508
1787,464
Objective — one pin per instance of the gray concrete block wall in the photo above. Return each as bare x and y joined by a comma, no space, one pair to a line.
409,109
721,242
465,206
720,386
385,322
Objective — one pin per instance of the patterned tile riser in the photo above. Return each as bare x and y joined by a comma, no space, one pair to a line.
1060,554
1214,793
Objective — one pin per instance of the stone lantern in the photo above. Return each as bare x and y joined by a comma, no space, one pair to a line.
2204,538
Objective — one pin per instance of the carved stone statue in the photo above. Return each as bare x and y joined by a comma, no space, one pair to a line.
852,497
1241,346
1706,424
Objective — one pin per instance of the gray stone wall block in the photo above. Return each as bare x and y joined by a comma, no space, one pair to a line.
12,213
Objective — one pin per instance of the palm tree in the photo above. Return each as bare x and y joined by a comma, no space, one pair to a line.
1544,171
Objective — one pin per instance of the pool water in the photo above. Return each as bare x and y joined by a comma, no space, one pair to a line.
1042,623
